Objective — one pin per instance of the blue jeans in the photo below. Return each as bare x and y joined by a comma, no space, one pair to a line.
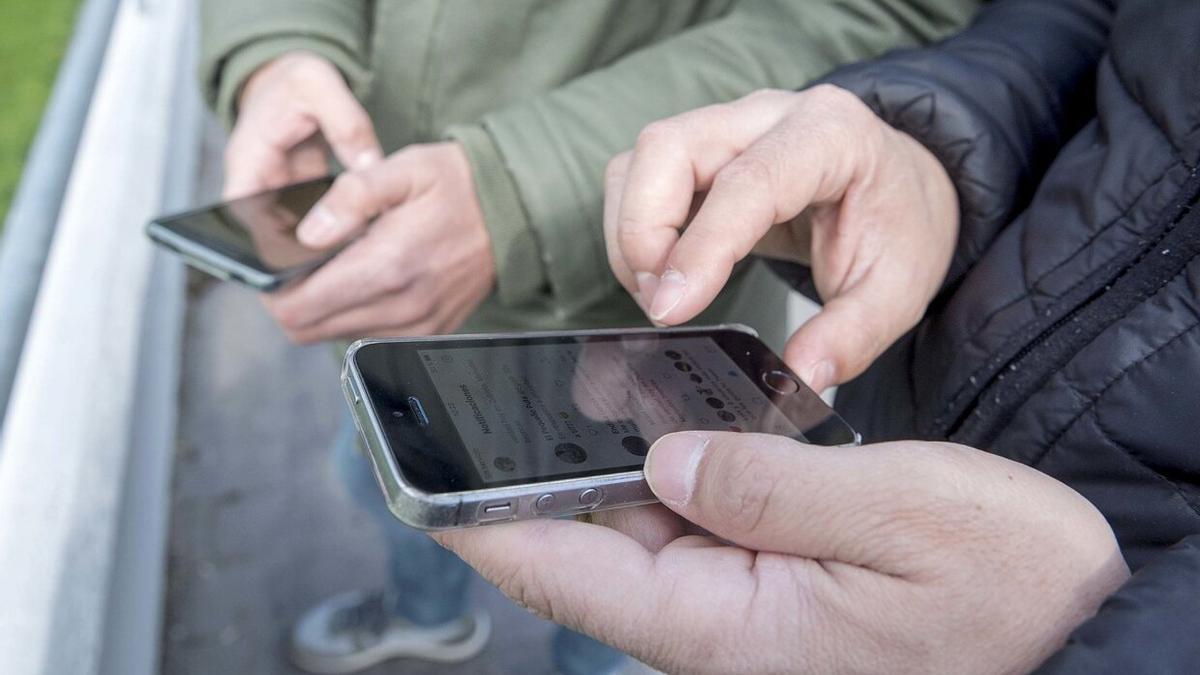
428,584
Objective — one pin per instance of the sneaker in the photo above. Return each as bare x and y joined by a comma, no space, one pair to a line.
354,631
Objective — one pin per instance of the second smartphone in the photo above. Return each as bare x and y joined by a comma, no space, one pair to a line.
250,241
474,429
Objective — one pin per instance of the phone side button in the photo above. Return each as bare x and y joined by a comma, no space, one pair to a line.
590,497
544,504
495,511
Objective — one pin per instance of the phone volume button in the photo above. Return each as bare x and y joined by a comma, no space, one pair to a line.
590,497
352,389
544,504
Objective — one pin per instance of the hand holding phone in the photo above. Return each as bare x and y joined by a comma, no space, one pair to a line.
468,430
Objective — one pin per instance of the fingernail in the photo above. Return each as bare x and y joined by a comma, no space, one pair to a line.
668,294
318,227
819,375
647,284
367,158
672,463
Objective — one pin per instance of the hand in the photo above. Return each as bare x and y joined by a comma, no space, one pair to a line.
898,557
810,176
422,267
291,113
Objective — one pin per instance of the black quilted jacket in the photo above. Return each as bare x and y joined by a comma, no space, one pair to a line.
1068,334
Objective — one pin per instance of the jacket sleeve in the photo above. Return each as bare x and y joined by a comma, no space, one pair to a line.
238,36
551,151
1148,626
995,103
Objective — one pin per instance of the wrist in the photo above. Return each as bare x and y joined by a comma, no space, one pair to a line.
520,274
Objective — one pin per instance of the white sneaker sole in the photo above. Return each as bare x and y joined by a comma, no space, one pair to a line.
425,644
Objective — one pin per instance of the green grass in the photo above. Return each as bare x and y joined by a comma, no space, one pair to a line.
33,35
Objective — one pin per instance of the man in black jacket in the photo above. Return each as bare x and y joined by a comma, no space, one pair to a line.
1006,240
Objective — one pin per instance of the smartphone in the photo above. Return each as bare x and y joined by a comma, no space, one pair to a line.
476,429
250,240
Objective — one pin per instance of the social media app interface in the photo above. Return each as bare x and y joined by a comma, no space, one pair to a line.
542,410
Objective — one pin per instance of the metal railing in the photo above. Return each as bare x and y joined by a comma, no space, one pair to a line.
88,438
29,225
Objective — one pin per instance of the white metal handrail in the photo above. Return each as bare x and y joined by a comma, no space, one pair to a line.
85,449
29,225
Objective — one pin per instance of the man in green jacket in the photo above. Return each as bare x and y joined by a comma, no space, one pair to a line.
475,135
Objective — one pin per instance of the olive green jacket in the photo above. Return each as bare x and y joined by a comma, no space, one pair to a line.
542,94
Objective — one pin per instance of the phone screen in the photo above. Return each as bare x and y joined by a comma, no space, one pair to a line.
493,413
532,411
259,230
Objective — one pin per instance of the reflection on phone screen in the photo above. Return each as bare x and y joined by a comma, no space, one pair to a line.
259,230
537,410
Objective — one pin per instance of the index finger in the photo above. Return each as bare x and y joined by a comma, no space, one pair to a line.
677,157
341,118
810,157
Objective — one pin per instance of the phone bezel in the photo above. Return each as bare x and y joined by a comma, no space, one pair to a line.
432,457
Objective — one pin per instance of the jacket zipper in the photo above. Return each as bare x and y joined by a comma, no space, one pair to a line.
1158,259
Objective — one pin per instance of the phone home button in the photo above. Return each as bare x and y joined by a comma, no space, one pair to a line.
544,503
590,497
781,382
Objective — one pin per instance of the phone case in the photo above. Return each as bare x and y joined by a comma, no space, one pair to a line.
428,511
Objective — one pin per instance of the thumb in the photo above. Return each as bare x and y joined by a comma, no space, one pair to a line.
855,326
771,493
356,198
838,343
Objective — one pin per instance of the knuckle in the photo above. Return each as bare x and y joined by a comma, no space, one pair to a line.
353,130
420,307
614,171
833,97
286,315
767,95
351,189
636,247
941,505
394,276
742,484
300,338
659,133
843,110
288,320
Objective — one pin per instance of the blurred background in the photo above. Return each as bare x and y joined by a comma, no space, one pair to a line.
166,499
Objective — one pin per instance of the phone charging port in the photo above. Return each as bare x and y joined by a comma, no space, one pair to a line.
496,511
